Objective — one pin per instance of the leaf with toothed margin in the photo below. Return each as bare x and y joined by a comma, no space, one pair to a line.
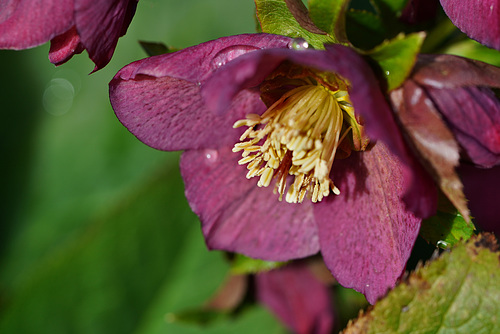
456,293
275,18
397,56
246,265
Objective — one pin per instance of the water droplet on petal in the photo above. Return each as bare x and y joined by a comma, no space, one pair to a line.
442,244
299,44
226,55
211,156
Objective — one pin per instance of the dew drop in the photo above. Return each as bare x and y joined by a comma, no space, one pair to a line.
226,55
442,244
58,96
211,156
299,44
387,73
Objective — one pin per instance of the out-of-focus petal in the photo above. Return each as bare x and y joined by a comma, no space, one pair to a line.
419,11
480,20
433,141
168,113
447,71
28,23
100,24
482,188
366,235
250,70
473,114
64,46
297,298
238,216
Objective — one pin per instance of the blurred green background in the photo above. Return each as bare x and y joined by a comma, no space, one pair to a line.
96,235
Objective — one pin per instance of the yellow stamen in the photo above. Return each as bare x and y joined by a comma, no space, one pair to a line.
298,135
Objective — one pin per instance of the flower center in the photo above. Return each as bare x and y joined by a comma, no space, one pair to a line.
298,135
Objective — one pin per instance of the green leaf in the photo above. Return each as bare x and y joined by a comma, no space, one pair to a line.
154,48
246,265
474,50
445,229
275,18
397,56
456,293
329,15
361,24
388,8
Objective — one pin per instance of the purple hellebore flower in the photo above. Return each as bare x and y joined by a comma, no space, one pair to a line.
297,297
480,20
71,25
190,100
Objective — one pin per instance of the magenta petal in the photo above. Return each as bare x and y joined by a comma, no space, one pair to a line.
100,24
28,23
366,235
480,20
473,114
196,63
297,298
168,113
238,216
64,46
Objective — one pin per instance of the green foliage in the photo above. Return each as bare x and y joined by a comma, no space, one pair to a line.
154,49
119,266
245,265
275,18
329,15
389,8
445,229
361,24
472,49
396,57
456,293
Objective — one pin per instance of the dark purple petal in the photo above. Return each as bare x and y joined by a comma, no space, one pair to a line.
473,114
168,113
366,234
251,69
297,298
28,23
100,24
480,20
447,71
419,11
64,46
239,216
482,188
